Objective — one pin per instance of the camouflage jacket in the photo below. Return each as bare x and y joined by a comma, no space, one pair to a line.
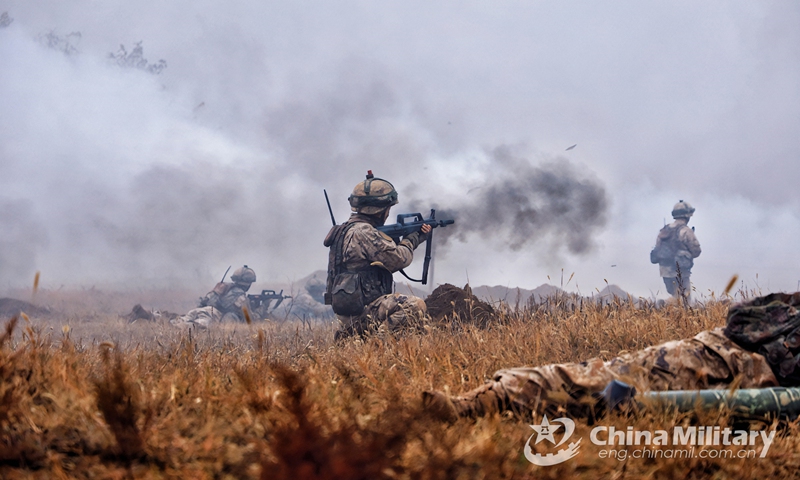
685,245
364,244
227,298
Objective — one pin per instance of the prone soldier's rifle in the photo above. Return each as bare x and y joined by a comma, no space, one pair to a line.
408,223
774,402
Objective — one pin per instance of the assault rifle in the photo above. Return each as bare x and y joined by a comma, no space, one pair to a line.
260,303
408,223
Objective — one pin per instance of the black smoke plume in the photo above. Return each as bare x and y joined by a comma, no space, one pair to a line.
518,204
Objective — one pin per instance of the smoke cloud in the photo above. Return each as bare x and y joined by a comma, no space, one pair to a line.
551,207
22,236
116,175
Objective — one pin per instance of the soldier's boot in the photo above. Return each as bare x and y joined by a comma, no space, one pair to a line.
349,327
477,403
439,406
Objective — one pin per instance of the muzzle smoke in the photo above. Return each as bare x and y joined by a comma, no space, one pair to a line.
552,205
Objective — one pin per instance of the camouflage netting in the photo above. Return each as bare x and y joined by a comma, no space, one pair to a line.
448,302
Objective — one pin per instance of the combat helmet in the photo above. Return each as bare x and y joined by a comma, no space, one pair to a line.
682,210
372,196
245,275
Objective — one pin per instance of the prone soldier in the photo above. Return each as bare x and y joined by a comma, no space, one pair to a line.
225,303
759,348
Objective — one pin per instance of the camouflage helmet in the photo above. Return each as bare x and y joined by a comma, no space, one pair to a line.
244,274
682,210
315,287
372,196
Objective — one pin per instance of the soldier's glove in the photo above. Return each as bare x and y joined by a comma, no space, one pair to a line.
415,239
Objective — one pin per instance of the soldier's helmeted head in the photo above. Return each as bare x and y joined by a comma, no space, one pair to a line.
244,277
373,196
316,288
682,210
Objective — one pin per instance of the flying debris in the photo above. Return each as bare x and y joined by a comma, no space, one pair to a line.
613,266
573,146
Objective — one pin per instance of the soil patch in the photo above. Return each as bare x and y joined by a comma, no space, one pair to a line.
448,302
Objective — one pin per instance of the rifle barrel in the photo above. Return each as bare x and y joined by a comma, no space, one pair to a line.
775,401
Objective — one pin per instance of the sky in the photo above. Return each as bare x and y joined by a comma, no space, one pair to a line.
117,176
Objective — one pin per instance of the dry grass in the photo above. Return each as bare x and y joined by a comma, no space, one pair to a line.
105,399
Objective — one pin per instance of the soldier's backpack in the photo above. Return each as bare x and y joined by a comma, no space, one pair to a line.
349,292
770,325
666,248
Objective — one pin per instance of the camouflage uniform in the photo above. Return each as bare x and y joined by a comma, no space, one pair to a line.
709,360
222,304
688,248
309,304
225,303
365,247
362,260
677,247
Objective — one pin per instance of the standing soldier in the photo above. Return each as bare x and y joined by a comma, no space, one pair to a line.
222,304
362,260
675,251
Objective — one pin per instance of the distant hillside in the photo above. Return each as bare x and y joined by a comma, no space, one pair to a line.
510,295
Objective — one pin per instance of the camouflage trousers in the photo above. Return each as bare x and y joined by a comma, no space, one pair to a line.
708,360
393,312
674,287
203,317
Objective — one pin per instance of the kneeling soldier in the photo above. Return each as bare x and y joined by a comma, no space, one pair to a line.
361,262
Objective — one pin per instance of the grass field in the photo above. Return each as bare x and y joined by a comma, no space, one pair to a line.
83,394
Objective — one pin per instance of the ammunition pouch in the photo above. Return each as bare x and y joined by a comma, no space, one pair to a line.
351,292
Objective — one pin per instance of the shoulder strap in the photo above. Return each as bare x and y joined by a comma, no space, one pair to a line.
339,247
335,240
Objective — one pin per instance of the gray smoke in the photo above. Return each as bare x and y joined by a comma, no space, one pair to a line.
21,237
550,206
116,175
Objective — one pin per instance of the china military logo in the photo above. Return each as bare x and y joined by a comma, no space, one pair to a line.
548,431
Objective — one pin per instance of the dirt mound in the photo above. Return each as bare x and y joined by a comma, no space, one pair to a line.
10,307
139,313
449,301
